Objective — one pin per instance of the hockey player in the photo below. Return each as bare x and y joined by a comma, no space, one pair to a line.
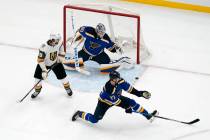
111,96
48,58
95,41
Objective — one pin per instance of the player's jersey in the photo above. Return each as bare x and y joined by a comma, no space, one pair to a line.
49,54
93,44
111,94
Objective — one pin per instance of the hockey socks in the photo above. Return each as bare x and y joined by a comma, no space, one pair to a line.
139,109
38,89
67,88
85,116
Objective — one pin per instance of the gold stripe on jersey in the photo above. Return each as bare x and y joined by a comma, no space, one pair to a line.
114,89
109,102
88,34
106,101
105,40
121,81
130,89
118,102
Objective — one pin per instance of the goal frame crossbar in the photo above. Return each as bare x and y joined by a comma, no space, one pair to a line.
137,17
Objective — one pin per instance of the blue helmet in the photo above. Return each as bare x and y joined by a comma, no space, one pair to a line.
114,74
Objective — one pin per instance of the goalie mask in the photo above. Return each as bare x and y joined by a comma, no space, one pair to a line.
100,30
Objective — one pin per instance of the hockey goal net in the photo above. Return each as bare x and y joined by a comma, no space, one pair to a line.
122,26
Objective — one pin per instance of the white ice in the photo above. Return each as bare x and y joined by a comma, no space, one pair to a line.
177,76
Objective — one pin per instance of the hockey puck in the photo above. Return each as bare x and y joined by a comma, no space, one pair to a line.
136,78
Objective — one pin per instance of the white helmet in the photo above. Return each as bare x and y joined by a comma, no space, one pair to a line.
100,29
55,36
54,39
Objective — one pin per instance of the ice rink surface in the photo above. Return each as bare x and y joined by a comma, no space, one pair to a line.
177,76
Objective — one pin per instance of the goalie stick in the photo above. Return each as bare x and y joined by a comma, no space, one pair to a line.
83,71
77,62
189,123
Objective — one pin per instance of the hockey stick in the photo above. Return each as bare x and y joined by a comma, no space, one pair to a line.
83,71
35,85
190,122
77,62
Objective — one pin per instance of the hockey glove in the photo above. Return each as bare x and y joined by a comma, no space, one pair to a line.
128,110
146,94
44,75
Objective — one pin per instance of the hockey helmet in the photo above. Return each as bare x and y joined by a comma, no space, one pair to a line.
114,74
100,29
55,36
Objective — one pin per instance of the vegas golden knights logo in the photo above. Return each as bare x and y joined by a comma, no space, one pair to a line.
53,56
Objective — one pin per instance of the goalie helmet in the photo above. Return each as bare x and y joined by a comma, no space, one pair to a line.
114,74
100,30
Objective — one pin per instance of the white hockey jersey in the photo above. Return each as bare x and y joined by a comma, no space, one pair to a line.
49,54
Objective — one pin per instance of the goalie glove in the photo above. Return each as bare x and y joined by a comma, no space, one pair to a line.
118,49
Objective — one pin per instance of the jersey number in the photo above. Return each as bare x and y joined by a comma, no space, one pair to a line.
53,56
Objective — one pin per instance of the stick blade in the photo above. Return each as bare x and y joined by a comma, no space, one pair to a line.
194,121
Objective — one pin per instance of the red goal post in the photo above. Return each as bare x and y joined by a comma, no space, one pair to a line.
68,8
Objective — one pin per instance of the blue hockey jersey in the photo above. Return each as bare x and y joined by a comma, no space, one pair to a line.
111,94
93,44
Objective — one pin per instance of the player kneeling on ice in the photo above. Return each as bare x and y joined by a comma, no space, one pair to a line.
95,41
111,96
48,58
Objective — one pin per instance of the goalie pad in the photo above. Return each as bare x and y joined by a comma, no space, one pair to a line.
69,64
107,68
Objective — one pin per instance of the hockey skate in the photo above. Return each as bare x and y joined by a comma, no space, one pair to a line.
69,92
34,95
75,115
152,115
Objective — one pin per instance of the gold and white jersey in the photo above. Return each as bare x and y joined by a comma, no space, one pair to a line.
49,54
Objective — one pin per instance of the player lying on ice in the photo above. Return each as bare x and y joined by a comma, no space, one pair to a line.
95,41
48,59
111,96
